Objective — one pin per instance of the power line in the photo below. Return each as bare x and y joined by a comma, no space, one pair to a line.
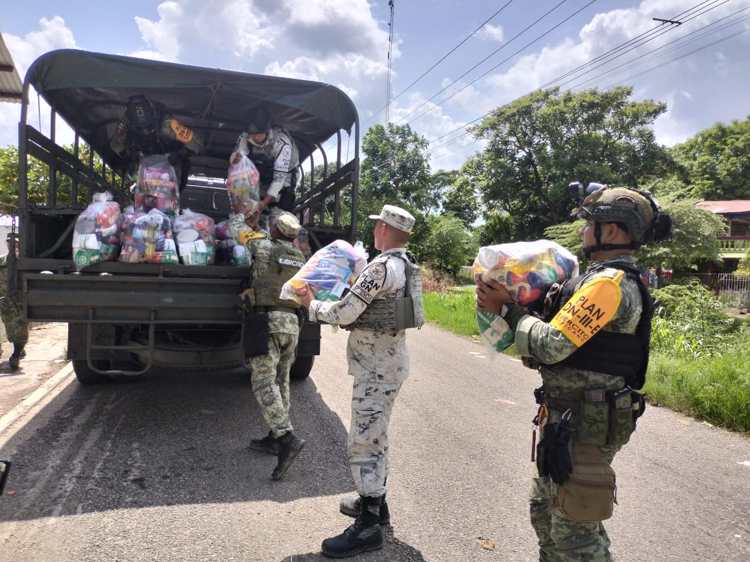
644,42
676,41
463,127
628,79
446,55
626,44
493,53
502,62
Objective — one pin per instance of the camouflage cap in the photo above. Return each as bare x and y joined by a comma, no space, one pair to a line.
288,224
396,217
623,205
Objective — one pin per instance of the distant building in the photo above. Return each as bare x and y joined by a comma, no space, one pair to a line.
737,214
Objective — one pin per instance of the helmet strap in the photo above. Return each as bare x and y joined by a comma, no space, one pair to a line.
599,247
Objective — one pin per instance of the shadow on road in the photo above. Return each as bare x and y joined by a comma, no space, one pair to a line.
393,551
172,438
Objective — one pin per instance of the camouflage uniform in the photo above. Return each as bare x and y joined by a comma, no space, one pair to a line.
560,538
282,153
16,328
379,363
271,371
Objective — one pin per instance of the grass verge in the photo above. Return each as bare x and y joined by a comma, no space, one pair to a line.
455,311
716,388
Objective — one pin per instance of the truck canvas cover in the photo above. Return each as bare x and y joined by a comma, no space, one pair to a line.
91,90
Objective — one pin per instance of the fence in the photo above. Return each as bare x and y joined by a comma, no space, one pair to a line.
732,289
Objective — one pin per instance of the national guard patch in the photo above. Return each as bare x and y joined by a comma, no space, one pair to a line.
370,282
590,308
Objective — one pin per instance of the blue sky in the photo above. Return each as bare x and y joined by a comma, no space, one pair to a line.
344,42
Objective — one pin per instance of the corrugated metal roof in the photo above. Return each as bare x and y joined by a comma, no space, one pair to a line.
11,88
726,207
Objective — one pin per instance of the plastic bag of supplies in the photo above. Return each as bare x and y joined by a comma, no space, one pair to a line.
156,187
329,271
527,270
195,238
243,180
228,251
95,235
147,237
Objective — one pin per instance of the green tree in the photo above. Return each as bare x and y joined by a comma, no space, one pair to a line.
715,163
695,238
497,228
537,144
461,200
449,244
396,171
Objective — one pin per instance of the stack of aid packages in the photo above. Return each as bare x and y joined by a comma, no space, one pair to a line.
228,251
527,270
95,235
330,271
146,229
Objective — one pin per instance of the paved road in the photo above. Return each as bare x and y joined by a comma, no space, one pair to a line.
159,470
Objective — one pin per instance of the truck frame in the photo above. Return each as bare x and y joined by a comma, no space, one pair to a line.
125,319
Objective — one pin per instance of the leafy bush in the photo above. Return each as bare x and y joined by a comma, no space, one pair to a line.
690,322
449,244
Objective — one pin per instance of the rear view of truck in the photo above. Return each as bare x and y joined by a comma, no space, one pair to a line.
127,318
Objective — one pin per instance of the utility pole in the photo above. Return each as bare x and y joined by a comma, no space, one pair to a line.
388,92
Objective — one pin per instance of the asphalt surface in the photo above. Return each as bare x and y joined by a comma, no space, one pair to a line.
159,470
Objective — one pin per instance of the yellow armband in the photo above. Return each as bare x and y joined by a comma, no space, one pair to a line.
590,308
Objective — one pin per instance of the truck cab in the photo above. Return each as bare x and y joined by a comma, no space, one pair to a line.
123,318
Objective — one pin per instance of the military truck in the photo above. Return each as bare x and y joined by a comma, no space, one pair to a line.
125,319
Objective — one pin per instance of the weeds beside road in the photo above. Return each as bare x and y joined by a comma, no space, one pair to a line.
700,357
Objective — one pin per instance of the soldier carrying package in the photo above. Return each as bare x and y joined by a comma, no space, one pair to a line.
385,300
591,346
272,329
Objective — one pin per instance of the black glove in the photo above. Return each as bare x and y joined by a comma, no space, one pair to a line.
553,458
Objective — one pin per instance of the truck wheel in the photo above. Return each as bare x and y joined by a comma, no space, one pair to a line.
85,375
302,367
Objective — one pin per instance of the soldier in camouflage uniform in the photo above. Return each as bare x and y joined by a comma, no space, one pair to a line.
16,328
379,362
591,348
275,261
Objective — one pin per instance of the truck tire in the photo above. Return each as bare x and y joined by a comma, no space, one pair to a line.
85,375
302,367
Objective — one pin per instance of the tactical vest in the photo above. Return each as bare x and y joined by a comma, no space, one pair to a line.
286,260
622,355
397,312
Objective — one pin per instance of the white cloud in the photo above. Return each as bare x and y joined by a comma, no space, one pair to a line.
493,33
162,35
52,34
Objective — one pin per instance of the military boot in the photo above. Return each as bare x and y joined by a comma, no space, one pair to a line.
289,447
15,358
268,444
363,536
351,506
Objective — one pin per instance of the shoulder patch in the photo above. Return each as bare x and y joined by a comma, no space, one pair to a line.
590,308
370,282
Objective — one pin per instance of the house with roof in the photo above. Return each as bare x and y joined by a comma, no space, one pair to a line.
735,244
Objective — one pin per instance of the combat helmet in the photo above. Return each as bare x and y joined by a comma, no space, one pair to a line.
637,210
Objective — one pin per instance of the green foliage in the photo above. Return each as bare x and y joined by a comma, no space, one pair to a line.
743,268
497,228
537,144
691,323
715,388
567,234
395,171
715,163
449,245
695,237
461,200
454,311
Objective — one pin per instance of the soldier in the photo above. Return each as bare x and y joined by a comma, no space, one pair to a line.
379,362
275,261
16,328
591,348
276,156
